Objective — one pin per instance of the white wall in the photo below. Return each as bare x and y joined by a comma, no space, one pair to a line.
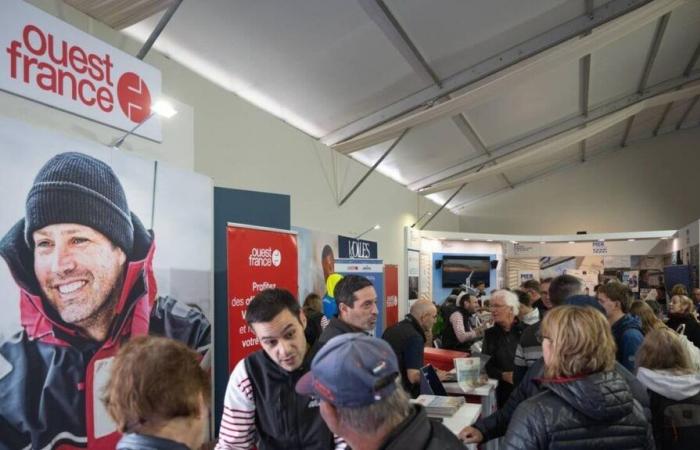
222,136
650,185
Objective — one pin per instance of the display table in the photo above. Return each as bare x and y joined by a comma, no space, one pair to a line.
487,398
466,415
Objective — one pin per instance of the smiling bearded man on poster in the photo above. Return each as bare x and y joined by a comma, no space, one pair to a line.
83,263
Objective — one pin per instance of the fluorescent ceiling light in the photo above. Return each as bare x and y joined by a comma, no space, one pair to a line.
572,242
543,242
630,240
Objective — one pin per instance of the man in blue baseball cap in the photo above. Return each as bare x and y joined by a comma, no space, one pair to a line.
356,378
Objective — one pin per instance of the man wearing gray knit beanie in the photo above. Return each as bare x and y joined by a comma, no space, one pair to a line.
83,262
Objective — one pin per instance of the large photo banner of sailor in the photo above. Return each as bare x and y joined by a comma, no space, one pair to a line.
97,245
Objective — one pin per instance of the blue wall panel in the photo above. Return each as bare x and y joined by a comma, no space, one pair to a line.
246,207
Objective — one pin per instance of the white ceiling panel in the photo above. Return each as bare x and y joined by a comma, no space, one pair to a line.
645,123
471,191
674,116
693,119
422,151
616,69
539,165
608,139
680,40
453,35
534,104
317,64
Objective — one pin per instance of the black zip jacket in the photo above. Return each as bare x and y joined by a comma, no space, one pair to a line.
283,418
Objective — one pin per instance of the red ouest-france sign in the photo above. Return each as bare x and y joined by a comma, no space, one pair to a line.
257,259
49,61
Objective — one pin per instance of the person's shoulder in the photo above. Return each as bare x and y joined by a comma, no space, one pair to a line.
441,438
539,402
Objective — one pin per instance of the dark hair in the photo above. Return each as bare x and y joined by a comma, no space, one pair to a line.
266,305
617,292
326,252
479,283
346,288
563,287
154,379
450,300
531,284
523,296
312,304
546,280
456,291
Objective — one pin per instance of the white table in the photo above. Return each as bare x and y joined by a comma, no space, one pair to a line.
466,415
487,393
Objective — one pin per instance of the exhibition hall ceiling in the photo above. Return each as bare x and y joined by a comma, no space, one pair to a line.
474,97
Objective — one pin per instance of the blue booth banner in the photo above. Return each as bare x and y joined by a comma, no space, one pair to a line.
372,269
356,248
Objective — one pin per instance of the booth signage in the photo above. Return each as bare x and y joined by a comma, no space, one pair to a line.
51,62
356,248
258,259
391,283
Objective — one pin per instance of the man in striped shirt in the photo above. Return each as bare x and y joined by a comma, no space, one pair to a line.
261,408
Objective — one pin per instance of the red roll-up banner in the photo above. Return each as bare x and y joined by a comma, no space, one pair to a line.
258,259
391,290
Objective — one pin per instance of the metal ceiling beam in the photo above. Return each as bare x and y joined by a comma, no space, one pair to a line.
687,112
565,139
550,131
533,178
686,73
371,169
443,206
693,61
378,11
658,126
557,46
585,82
158,29
392,29
651,58
468,132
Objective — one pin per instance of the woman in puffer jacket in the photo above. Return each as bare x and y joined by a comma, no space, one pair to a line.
585,404
674,390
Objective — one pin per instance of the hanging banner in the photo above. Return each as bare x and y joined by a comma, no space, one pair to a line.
391,282
157,265
258,259
356,248
373,270
51,62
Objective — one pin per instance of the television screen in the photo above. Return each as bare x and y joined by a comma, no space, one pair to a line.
456,269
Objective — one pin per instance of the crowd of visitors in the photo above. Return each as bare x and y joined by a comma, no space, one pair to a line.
573,371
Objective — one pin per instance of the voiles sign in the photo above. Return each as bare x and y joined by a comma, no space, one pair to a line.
51,62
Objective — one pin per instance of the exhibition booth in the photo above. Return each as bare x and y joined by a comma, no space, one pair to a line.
200,253
439,261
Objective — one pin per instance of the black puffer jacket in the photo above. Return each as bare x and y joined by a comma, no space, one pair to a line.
595,411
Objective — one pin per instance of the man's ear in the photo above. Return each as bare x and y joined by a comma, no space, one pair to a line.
302,319
330,416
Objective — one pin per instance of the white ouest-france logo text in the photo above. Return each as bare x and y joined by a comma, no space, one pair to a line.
264,257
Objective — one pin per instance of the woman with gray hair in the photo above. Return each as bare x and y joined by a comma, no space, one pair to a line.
501,341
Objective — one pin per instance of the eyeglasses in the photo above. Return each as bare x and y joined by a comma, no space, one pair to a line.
492,306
